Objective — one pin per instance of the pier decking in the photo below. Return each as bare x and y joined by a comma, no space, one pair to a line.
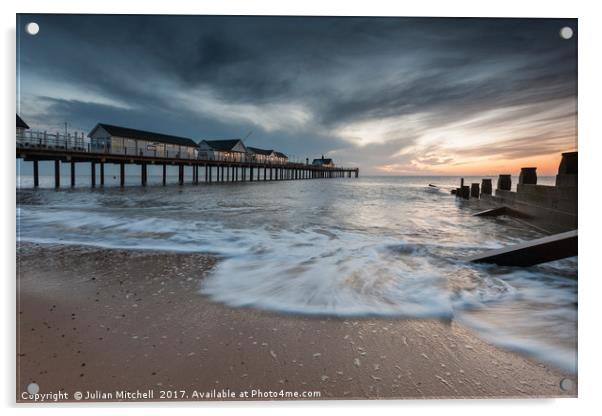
71,149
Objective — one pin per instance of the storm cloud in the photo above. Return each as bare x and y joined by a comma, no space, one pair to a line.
393,95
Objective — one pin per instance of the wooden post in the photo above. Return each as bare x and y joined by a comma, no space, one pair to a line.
102,174
474,190
93,174
164,178
504,182
528,176
72,174
206,173
121,174
143,174
486,187
181,174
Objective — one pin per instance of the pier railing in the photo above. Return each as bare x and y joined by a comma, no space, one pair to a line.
76,143
58,141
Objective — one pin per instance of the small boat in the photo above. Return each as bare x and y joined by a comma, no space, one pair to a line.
432,188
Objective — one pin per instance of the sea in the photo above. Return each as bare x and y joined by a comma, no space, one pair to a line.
388,247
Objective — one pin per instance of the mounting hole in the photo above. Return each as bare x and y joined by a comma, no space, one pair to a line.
33,388
566,32
32,28
567,384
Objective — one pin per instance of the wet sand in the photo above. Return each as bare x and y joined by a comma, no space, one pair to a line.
91,319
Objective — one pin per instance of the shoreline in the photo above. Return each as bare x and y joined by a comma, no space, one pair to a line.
98,319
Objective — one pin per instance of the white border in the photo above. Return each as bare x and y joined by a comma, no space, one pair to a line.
590,289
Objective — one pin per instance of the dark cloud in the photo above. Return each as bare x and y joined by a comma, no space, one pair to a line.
342,70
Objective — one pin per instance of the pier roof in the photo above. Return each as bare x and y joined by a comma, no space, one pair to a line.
144,135
21,123
322,161
260,151
225,145
279,154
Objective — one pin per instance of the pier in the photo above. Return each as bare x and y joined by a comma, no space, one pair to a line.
73,150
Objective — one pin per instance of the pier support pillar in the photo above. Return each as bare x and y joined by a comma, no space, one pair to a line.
102,174
57,173
206,173
143,174
72,174
121,174
251,173
164,178
217,173
181,174
36,174
93,174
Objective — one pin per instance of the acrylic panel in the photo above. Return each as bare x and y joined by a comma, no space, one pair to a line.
295,208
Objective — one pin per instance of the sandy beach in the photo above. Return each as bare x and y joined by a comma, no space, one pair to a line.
103,320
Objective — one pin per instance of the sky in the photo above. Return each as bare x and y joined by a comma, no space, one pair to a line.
392,96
